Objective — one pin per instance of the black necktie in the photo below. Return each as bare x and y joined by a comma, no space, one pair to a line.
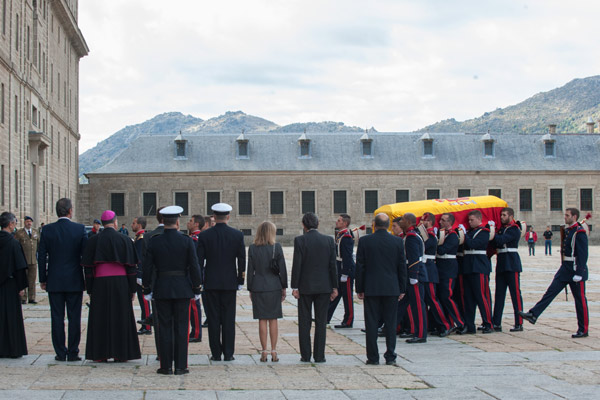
29,232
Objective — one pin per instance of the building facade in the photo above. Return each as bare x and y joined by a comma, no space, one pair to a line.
280,176
40,49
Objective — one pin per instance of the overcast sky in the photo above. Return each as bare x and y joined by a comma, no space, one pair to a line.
395,65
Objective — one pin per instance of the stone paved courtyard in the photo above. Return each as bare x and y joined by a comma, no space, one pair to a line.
541,362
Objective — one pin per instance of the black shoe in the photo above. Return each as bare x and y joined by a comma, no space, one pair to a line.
405,335
164,371
517,328
480,327
213,358
461,330
73,358
57,358
369,362
488,329
497,328
416,340
322,360
363,330
182,371
390,362
444,333
304,360
528,316
32,302
144,331
232,358
342,326
579,335
195,340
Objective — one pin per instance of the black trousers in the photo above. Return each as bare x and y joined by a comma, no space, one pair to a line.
415,299
144,305
174,320
578,291
458,294
72,302
477,294
435,307
220,312
512,281
445,290
195,319
305,305
379,308
345,293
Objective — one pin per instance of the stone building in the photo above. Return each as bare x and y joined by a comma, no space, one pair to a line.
279,176
40,49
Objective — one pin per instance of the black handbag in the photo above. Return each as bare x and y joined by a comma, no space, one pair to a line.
274,267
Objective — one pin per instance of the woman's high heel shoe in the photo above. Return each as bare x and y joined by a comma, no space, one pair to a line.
263,356
274,357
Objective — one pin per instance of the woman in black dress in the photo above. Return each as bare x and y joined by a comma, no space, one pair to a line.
13,279
267,289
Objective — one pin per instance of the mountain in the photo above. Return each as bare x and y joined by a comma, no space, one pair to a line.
569,107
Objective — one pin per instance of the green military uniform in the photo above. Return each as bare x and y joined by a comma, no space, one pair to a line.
29,241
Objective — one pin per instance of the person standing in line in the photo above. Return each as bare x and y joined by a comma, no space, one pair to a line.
314,282
344,242
95,228
13,281
138,226
531,238
573,271
172,277
110,262
222,247
194,226
209,222
61,275
381,283
548,241
29,239
267,289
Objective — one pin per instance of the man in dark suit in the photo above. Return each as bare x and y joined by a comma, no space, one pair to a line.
61,275
314,281
381,283
222,247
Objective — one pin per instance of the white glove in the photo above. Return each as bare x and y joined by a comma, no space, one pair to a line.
197,296
435,230
344,278
148,297
139,281
491,223
577,278
413,281
239,287
462,228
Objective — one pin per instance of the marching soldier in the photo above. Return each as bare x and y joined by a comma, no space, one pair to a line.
29,239
344,245
138,226
172,277
508,269
573,271
194,226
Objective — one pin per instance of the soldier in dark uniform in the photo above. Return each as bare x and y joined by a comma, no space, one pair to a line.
447,267
417,274
573,271
223,249
172,277
508,269
95,228
194,226
344,247
476,269
430,285
138,226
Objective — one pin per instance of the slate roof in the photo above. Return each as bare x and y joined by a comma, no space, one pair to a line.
342,151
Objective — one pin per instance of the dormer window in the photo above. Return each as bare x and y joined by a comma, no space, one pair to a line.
180,147
549,145
427,145
242,147
367,146
304,142
488,146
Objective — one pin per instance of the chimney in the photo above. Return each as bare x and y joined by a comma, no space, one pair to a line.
552,128
590,125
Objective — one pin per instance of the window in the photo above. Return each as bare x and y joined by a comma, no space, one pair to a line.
2,184
212,198
464,192
181,200
44,196
549,148
428,148
17,34
246,232
305,148
402,195
495,192
180,149
371,203
586,201
242,148
245,203
16,189
117,203
276,202
556,200
525,200
488,148
279,232
367,148
433,194
339,202
4,17
2,104
555,228
308,201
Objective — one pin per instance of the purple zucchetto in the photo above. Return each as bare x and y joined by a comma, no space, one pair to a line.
108,215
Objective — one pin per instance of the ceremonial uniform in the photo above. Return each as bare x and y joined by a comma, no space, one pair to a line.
29,240
344,246
431,282
508,272
415,297
140,248
575,255
195,308
477,269
458,295
447,267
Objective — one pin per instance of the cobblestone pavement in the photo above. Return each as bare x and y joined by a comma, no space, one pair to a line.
541,362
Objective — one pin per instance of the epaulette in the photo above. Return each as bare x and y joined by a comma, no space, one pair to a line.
411,233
